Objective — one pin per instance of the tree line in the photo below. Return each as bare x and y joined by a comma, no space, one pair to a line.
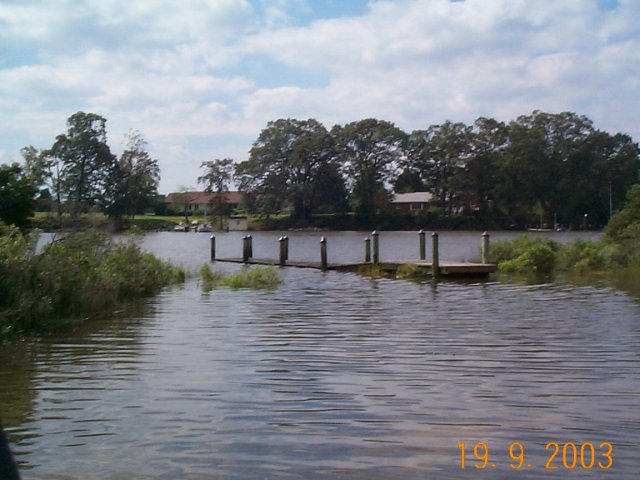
541,168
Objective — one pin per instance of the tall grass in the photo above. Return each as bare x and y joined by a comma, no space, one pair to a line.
78,276
255,277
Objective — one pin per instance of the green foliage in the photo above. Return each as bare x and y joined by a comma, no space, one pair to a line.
254,278
619,249
369,151
84,160
77,276
286,164
133,180
17,195
525,254
211,279
625,225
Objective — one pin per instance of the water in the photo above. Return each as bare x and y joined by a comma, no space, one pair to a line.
332,375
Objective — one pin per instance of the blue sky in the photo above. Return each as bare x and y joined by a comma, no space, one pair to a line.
201,78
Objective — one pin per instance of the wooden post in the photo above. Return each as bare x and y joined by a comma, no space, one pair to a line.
250,246
485,247
245,248
213,248
423,244
286,248
376,247
367,249
323,253
283,255
435,255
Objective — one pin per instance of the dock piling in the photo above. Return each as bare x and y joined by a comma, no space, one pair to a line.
423,244
213,248
435,255
323,253
376,247
246,248
485,247
286,248
367,249
283,254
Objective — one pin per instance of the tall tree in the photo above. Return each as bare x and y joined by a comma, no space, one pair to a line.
132,181
85,158
17,195
216,178
439,154
285,164
478,179
370,151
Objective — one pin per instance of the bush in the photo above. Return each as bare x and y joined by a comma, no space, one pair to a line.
525,254
74,277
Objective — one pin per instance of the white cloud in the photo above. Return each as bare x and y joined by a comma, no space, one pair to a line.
181,72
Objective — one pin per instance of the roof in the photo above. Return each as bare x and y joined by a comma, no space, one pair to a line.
415,197
203,198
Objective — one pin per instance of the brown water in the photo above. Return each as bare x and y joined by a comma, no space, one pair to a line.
332,375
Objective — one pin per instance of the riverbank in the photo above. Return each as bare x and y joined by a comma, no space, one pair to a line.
389,221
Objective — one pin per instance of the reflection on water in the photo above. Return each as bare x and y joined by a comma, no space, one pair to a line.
331,376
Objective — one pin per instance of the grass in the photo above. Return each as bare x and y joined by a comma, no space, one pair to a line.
254,278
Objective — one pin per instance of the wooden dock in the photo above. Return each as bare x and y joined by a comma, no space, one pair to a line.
433,268
447,269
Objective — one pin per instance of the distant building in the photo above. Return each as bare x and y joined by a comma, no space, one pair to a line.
238,223
411,202
200,203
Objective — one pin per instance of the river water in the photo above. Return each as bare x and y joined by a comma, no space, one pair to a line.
334,375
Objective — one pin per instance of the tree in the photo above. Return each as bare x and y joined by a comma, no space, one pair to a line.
439,154
408,181
477,181
285,165
132,181
218,174
370,151
17,193
38,168
85,158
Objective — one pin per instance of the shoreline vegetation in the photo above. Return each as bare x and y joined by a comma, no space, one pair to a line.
75,277
617,250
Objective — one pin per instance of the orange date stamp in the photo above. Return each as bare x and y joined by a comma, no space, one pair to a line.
567,456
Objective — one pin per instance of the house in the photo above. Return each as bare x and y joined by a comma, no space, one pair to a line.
200,203
411,202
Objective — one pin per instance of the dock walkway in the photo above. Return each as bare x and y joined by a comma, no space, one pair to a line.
447,269
433,268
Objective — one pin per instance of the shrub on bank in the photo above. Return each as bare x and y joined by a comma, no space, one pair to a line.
524,254
74,277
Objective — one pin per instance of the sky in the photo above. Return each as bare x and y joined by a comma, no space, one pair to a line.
201,78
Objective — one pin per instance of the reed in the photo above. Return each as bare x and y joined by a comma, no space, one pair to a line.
248,277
